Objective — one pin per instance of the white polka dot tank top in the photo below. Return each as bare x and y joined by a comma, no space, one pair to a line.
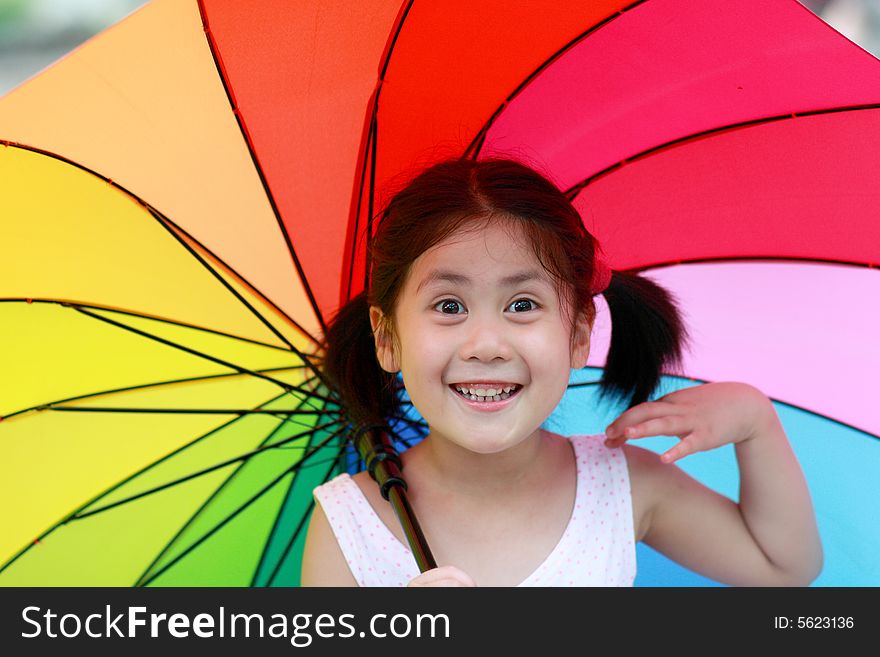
596,549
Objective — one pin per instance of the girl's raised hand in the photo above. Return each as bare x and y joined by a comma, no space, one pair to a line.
443,576
703,417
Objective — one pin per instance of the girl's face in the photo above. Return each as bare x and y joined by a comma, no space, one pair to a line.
479,309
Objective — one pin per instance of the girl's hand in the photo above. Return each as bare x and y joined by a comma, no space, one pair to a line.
703,417
443,576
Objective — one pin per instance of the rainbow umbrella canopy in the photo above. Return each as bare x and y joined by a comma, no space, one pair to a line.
186,199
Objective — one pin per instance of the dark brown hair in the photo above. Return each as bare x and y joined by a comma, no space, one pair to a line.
647,331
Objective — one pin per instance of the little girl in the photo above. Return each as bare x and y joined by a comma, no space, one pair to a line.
481,295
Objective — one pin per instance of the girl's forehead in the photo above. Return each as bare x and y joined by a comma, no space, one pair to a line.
494,244
500,262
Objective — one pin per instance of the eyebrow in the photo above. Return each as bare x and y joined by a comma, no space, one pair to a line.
438,275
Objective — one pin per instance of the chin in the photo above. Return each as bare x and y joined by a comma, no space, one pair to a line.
485,449
488,446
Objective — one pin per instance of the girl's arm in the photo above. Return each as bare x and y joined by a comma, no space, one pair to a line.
775,502
770,538
323,563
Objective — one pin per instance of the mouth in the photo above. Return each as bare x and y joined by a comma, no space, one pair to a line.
486,395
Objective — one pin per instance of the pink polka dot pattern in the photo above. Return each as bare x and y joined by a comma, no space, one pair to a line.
596,549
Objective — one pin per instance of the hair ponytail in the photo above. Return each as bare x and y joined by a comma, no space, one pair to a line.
350,363
647,337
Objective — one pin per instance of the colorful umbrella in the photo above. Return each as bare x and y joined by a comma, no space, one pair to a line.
186,200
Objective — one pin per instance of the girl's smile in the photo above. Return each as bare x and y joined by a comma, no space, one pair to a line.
487,400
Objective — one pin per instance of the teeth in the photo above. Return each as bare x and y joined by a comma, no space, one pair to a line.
485,395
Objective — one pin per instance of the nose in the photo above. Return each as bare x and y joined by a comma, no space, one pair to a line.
485,339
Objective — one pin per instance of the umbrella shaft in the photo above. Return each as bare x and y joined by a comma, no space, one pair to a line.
411,528
384,465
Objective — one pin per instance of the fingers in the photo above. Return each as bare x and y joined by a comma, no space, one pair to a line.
639,414
673,454
685,447
443,576
667,425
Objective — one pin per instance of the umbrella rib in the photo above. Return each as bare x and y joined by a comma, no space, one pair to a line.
354,225
242,370
334,461
412,422
279,445
305,358
289,546
74,516
369,179
211,497
302,521
110,391
67,303
476,145
165,222
280,413
369,145
143,580
407,443
357,202
217,466
573,191
171,227
389,48
212,46
116,486
750,259
278,517
374,146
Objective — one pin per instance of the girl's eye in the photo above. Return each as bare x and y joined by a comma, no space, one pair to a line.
448,303
520,304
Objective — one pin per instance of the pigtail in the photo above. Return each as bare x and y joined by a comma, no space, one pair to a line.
647,337
351,366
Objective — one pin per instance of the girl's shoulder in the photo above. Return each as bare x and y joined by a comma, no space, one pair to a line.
645,472
373,495
583,442
342,491
338,483
365,482
323,562
642,472
647,477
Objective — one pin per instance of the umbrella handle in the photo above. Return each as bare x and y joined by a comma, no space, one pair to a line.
384,465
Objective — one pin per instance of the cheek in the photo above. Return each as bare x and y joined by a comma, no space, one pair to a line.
547,349
552,369
425,359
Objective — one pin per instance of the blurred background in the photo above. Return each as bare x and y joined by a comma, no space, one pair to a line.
35,33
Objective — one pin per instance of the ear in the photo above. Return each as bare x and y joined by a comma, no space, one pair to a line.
385,352
581,343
